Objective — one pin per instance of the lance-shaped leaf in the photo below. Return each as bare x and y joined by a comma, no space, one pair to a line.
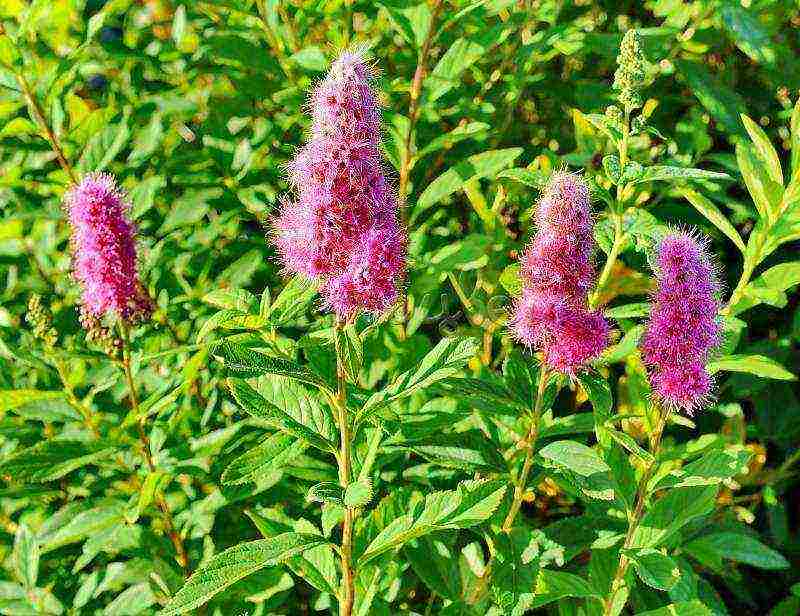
444,360
662,172
272,453
245,362
256,405
236,563
752,364
472,503
52,460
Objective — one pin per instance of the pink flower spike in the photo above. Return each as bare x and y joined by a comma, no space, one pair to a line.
342,227
104,249
683,327
552,316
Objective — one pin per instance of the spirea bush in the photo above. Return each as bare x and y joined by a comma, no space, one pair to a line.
431,307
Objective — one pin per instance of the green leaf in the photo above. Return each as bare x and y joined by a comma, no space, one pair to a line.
349,350
231,299
655,568
534,179
724,105
458,57
104,147
511,280
248,363
443,361
682,608
662,172
292,301
310,58
483,165
234,564
189,209
51,460
574,456
460,133
770,287
411,22
555,585
752,364
273,453
747,33
671,513
15,398
326,492
256,405
629,443
766,193
710,469
738,547
469,451
26,556
764,150
628,311
714,216
472,503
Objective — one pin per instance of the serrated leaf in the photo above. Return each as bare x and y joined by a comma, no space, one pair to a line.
468,451
26,556
231,299
575,457
444,360
764,150
349,350
666,173
51,460
655,568
470,504
326,492
248,363
272,453
483,165
234,564
256,405
738,547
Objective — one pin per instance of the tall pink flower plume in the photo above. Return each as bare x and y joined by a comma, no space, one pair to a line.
104,249
683,327
557,273
342,229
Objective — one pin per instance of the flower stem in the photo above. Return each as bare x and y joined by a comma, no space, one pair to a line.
38,116
347,592
520,484
177,541
635,518
529,444
413,107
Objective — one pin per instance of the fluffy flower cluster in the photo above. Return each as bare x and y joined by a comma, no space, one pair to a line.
557,272
683,327
343,229
104,250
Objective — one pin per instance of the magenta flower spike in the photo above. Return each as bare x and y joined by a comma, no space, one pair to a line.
104,250
557,273
342,228
683,327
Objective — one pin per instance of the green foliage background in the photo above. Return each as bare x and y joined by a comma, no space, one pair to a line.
197,106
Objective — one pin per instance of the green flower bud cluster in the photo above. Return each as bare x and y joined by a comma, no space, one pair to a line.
41,320
630,75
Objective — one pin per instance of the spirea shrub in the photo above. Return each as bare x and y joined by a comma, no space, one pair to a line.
430,308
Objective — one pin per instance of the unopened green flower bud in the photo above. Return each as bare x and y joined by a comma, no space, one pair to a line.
630,75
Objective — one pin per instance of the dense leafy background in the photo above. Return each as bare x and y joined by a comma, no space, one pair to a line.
196,107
